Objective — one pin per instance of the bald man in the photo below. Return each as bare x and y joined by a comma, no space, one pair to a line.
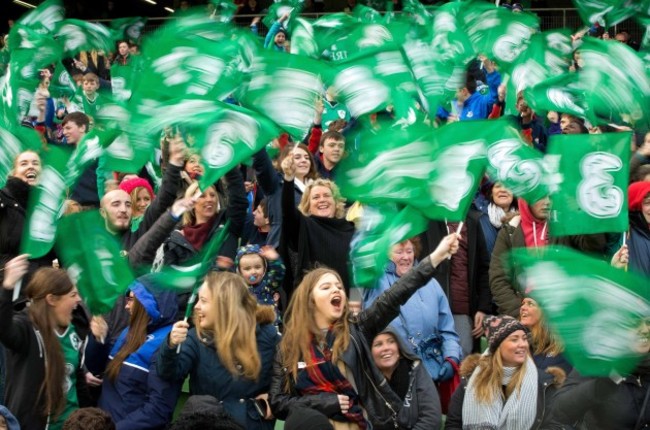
115,208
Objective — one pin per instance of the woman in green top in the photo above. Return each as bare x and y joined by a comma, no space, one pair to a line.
44,347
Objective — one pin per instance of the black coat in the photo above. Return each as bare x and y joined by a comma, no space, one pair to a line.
600,404
378,400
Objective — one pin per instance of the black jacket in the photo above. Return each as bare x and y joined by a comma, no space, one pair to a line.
548,383
379,401
26,358
600,404
478,262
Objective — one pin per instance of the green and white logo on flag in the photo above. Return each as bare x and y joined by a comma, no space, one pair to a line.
592,197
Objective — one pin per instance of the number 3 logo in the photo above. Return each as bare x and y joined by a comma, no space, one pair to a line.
596,193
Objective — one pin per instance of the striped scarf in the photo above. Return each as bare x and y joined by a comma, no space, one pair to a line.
323,376
516,413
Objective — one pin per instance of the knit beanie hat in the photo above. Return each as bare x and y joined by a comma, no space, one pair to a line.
636,193
134,183
249,249
499,328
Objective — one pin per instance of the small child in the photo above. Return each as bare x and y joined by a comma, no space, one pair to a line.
263,271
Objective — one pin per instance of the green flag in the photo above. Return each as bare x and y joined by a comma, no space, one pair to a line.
520,167
76,35
607,12
284,88
381,227
92,258
90,148
592,197
562,93
223,10
62,84
583,299
45,17
279,8
496,31
45,204
128,29
615,93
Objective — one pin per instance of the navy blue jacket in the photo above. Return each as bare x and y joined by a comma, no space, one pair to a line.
199,359
140,399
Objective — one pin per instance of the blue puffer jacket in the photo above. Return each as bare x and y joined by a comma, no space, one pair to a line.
139,399
425,313
199,359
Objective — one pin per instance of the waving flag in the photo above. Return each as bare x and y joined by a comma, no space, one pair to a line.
128,29
76,35
92,258
592,196
45,204
607,12
596,310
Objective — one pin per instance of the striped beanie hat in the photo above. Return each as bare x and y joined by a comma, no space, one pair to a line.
499,328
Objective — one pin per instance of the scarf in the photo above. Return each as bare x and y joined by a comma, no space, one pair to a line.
496,214
535,230
198,234
516,413
323,376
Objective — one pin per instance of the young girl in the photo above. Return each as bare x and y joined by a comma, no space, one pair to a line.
262,270
44,349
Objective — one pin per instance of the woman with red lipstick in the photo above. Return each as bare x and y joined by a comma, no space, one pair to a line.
324,362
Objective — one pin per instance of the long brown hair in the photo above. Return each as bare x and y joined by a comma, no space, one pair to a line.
544,342
135,337
236,314
488,381
300,325
189,217
56,282
287,151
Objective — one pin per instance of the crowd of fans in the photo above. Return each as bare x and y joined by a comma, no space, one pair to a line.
278,331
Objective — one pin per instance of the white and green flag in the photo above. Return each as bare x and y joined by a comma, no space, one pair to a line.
597,311
592,197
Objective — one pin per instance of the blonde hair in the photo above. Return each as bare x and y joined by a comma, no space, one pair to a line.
544,342
236,314
189,217
488,381
300,325
339,201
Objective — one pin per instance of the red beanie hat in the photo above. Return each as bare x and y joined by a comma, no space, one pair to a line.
636,193
134,183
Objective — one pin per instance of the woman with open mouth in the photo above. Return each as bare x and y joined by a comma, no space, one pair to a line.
502,388
324,364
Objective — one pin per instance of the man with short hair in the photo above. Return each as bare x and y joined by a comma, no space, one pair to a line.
571,124
331,148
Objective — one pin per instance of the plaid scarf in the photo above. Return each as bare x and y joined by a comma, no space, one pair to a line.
323,376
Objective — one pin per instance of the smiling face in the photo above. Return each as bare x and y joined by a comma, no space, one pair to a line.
385,353
643,337
321,202
302,162
501,196
203,309
329,300
206,206
514,349
27,167
332,150
193,165
252,268
529,312
73,132
403,256
63,306
280,38
116,210
142,201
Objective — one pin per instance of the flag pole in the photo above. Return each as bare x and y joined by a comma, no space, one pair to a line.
624,243
188,312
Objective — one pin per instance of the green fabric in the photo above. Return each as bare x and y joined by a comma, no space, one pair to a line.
592,197
129,29
71,345
45,204
607,12
76,36
594,308
93,259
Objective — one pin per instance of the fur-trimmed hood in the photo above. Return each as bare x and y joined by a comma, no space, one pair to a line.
265,314
556,375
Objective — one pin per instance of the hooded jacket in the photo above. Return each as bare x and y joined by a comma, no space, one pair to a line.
198,358
139,399
547,383
26,358
379,401
427,312
271,280
420,408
